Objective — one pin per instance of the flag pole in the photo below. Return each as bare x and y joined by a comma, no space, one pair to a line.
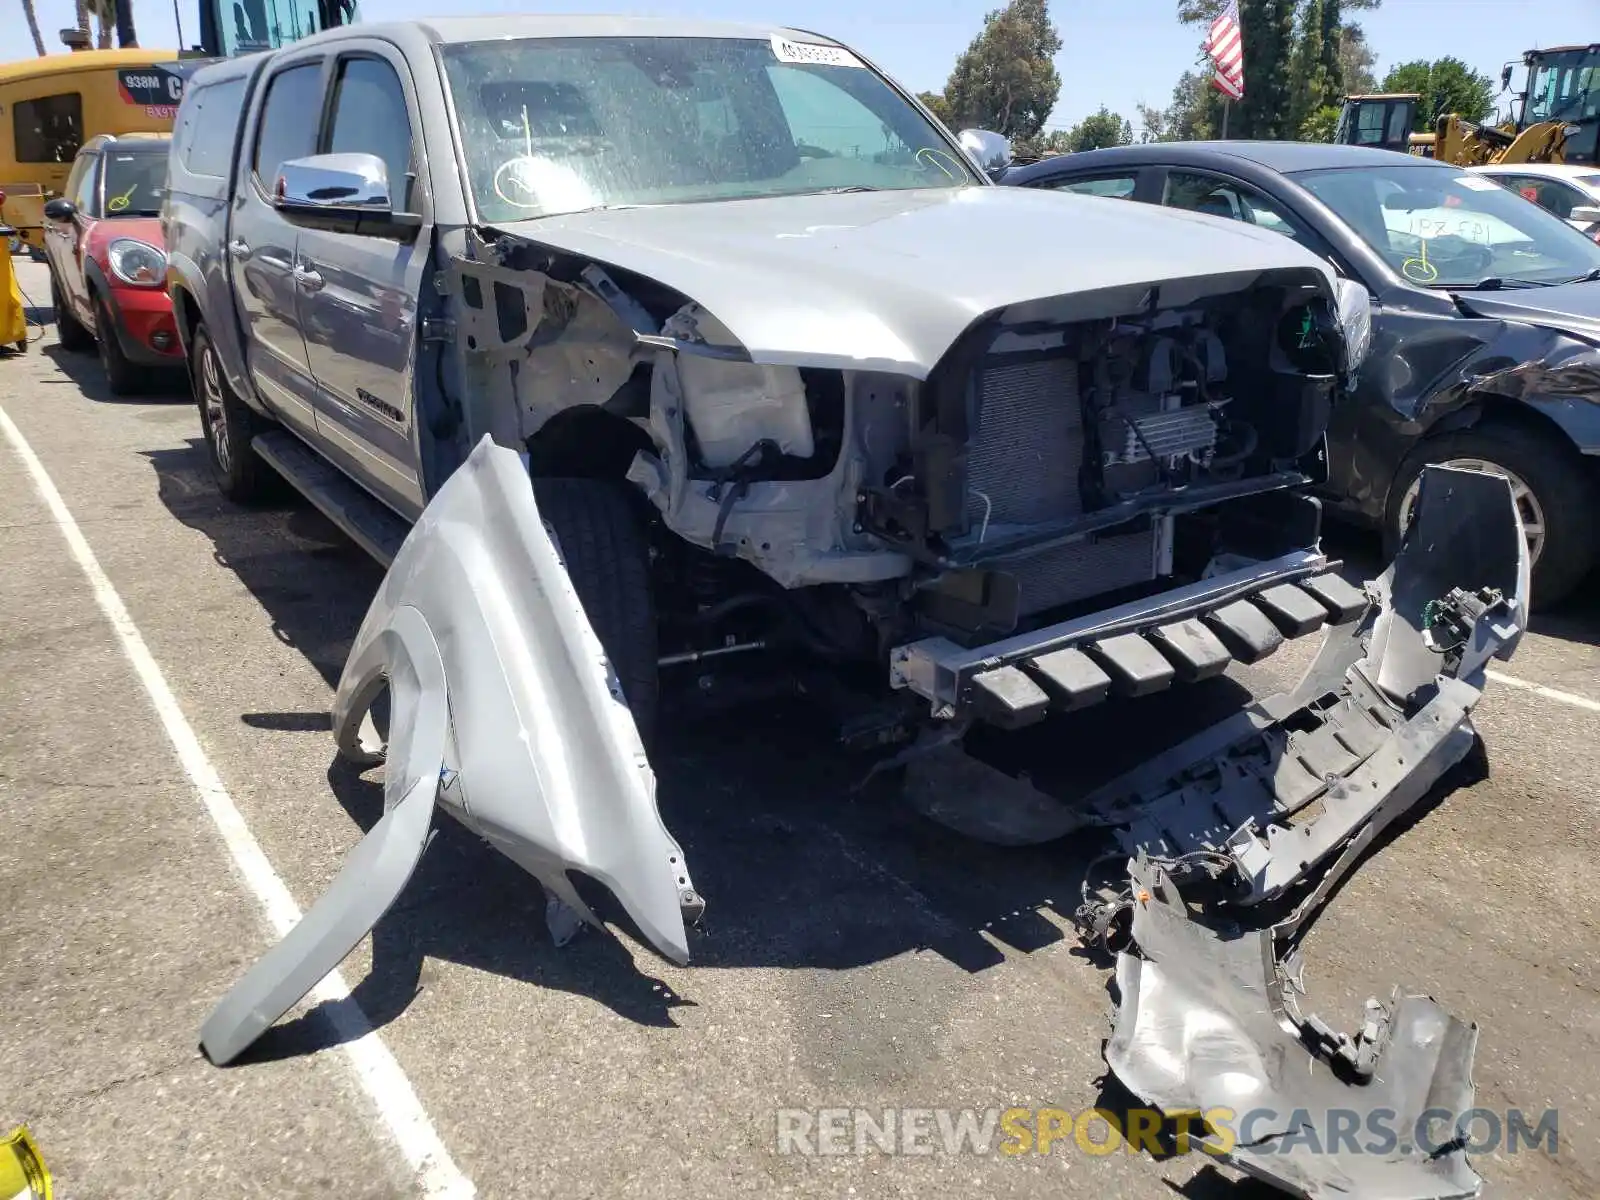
1226,105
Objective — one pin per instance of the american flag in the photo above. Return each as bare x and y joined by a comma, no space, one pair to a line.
1225,45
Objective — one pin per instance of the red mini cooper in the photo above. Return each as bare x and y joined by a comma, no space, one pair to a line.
108,264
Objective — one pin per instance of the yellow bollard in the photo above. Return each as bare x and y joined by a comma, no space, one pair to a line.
13,323
23,1175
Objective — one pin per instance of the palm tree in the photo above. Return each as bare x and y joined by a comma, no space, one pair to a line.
33,25
104,16
83,16
127,35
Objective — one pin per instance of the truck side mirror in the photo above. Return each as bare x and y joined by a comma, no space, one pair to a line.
345,193
991,151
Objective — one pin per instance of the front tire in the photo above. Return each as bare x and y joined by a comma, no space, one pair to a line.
603,544
121,375
74,337
1556,498
229,424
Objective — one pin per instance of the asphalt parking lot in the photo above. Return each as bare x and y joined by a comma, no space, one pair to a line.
851,955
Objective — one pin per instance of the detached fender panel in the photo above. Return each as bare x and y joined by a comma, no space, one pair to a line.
504,710
545,760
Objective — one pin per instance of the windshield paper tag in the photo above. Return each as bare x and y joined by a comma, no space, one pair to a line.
1477,183
811,52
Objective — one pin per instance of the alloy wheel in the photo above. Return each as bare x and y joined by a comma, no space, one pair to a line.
215,412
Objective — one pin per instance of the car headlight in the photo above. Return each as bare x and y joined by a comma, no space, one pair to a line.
136,262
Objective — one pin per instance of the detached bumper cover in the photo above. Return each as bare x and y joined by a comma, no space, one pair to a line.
1279,802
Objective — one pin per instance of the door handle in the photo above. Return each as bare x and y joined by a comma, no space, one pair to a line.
307,278
239,248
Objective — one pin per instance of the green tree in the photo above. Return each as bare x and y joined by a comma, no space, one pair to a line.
1100,128
1447,85
1331,62
1309,84
1356,59
1321,124
1194,113
1006,80
937,105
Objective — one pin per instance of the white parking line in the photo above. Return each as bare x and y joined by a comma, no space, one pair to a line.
377,1071
1538,689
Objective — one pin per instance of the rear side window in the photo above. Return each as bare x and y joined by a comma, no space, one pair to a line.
1118,187
49,129
289,119
206,128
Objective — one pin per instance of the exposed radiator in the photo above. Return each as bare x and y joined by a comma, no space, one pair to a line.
1029,446
1025,459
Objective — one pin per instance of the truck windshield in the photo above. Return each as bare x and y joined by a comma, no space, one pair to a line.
134,182
1453,229
556,125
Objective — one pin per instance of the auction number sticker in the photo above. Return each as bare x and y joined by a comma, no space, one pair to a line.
811,52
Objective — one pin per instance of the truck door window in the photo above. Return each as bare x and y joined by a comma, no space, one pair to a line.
289,119
370,116
49,129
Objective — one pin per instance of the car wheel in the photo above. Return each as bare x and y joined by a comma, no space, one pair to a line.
121,374
229,426
1556,497
602,542
71,332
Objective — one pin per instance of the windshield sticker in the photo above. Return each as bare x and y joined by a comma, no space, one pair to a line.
1477,183
813,54
1419,269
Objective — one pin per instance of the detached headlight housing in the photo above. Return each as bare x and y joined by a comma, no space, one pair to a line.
137,263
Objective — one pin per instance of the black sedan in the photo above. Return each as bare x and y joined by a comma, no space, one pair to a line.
1485,320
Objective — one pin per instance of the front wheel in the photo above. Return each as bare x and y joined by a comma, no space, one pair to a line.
121,374
73,335
602,542
1556,498
229,426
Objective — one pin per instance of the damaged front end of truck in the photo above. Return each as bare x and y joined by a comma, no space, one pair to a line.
996,504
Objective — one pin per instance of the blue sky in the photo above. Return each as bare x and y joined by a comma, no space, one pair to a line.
1128,52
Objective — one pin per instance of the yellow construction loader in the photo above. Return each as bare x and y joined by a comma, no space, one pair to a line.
1555,118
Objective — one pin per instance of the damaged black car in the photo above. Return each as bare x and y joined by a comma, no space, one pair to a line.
1485,321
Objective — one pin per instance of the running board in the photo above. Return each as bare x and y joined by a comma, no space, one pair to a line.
373,526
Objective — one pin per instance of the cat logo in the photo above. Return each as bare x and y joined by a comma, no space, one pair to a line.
23,1175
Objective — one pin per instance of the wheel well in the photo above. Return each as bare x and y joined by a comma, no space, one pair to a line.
1489,410
186,315
1501,410
586,443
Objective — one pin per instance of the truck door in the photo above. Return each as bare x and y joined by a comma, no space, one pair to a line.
261,244
358,302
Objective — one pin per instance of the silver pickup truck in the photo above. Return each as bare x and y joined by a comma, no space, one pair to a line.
665,359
